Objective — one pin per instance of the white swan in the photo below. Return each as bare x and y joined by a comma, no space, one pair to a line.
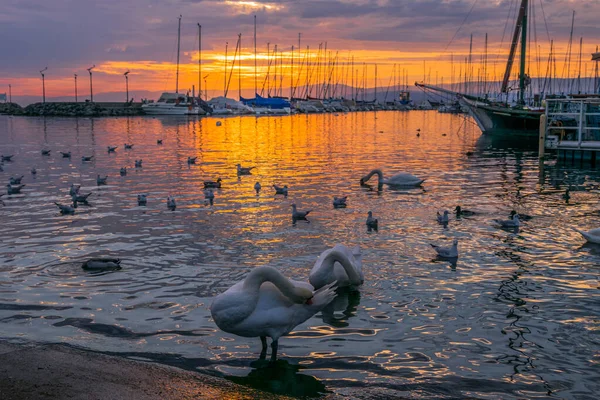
592,236
267,304
401,179
339,264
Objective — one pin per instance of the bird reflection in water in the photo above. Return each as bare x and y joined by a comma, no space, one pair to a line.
280,377
342,308
451,260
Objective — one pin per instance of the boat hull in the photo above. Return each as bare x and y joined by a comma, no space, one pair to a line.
152,109
496,119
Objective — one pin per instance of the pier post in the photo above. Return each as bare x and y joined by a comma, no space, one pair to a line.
542,143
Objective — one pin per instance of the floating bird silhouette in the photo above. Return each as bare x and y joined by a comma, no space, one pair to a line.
299,214
244,170
66,155
509,223
16,180
128,146
372,223
33,171
257,187
81,198
14,189
66,209
442,219
281,190
400,179
142,199
86,158
218,123
267,304
212,184
460,212
111,149
74,189
171,203
138,163
7,158
340,202
45,152
192,160
123,171
447,252
159,141
101,180
102,264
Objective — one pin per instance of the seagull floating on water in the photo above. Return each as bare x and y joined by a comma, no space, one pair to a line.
171,203
142,199
299,214
66,155
45,152
33,171
281,190
74,189
111,149
442,219
592,236
463,213
102,264
192,160
339,202
128,146
257,187
138,163
123,171
65,209
14,189
15,180
100,180
86,158
371,222
213,184
7,158
159,141
447,252
81,198
244,170
509,223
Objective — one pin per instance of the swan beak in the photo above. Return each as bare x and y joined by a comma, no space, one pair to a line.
309,301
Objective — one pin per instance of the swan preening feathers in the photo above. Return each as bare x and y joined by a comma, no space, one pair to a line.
339,264
400,179
268,304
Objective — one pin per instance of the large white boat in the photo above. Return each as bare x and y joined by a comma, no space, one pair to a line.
171,103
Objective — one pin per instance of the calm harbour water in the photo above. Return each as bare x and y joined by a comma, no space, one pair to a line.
516,317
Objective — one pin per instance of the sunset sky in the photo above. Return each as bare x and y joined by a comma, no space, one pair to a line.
141,36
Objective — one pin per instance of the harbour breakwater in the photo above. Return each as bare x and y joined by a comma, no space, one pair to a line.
84,109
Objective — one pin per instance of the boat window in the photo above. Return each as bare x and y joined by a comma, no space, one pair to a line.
161,100
170,101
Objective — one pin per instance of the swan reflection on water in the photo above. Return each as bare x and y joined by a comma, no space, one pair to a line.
342,308
280,377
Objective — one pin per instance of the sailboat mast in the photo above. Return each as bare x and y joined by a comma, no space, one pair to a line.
199,61
255,74
513,46
225,72
375,99
178,47
523,53
292,75
240,68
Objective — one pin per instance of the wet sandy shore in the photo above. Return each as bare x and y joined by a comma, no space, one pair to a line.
42,371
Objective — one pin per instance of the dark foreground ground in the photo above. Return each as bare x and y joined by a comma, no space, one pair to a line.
42,371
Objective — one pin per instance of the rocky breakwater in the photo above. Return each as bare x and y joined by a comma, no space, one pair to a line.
85,109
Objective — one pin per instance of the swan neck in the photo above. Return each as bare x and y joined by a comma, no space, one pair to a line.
339,256
260,275
373,172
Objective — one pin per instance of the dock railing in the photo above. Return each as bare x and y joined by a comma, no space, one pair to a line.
573,123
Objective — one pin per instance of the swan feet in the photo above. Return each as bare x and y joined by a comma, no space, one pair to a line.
263,353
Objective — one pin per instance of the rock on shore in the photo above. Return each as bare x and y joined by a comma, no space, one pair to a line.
83,109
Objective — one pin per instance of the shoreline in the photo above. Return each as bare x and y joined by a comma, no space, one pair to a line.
58,371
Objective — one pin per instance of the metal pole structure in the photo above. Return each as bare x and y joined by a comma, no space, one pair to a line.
91,87
199,61
75,87
9,93
205,88
240,67
43,85
178,47
255,74
126,86
225,77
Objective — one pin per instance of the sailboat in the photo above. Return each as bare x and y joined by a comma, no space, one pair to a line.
174,103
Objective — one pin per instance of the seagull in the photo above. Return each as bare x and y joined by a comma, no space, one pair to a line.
67,209
66,155
281,190
74,189
509,223
212,184
14,189
45,152
171,203
33,171
123,171
81,198
16,181
257,187
138,163
7,158
86,158
463,213
99,264
192,160
100,180
159,141
142,199
244,170
299,214
209,195
128,146
447,252
371,222
522,217
218,123
111,149
339,202
442,219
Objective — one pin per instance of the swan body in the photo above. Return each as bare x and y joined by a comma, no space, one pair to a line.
138,163
442,219
268,304
244,170
460,212
100,180
592,236
171,203
299,214
339,264
509,223
45,152
123,171
102,264
14,189
257,187
81,198
281,190
213,184
65,209
447,252
111,149
86,158
15,180
371,222
400,179
66,155
340,202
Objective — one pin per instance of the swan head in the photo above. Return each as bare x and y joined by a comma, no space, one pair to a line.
301,296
